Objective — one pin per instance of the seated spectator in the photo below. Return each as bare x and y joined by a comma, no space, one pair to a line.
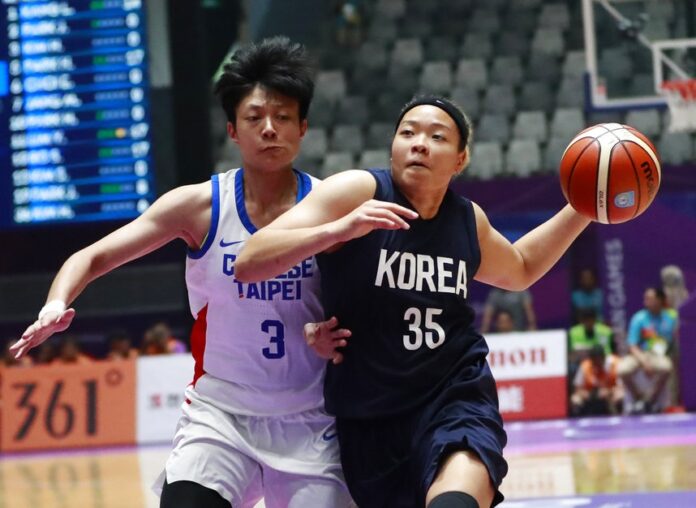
587,295
70,353
596,390
651,334
516,303
9,360
503,322
45,353
159,340
586,334
120,346
674,286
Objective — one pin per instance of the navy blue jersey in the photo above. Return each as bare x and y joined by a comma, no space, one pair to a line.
403,295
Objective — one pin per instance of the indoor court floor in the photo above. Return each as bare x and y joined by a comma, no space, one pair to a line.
617,462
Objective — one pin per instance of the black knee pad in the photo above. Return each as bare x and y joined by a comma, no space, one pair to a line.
185,494
453,500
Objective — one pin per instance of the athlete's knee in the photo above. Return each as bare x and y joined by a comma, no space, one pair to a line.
454,500
185,494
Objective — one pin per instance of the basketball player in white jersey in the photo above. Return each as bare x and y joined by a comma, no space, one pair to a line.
253,423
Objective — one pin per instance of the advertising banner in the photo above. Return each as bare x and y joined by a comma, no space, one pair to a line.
68,406
530,370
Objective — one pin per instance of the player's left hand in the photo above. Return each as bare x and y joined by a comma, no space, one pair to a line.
325,337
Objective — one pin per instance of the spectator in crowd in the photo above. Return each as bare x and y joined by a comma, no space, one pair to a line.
159,340
120,346
9,360
587,295
674,286
45,353
589,332
651,334
349,23
596,390
503,322
516,303
70,353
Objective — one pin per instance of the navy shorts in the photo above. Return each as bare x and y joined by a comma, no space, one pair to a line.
391,462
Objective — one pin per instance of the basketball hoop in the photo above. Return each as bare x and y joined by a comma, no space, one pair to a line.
681,99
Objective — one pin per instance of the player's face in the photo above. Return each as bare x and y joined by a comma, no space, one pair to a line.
651,301
268,130
425,149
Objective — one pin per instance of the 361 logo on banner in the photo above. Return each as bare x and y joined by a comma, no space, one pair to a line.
68,406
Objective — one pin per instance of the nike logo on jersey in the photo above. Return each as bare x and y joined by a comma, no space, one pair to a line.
223,243
329,435
420,272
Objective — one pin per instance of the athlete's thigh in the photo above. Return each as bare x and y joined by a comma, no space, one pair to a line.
208,450
283,490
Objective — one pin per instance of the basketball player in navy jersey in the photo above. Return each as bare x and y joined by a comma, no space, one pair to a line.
415,401
253,423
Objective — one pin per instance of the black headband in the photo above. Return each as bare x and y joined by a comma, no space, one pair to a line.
448,107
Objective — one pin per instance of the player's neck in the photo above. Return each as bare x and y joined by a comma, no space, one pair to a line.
268,194
427,204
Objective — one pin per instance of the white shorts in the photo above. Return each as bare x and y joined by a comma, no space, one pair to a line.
289,461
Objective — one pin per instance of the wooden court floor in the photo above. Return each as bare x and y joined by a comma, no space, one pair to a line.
646,462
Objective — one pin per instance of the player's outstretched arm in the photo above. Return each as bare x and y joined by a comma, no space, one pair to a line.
517,266
181,213
339,209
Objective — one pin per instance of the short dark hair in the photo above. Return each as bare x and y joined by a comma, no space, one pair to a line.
448,106
659,293
276,64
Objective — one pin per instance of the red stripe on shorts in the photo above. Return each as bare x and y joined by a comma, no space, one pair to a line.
198,335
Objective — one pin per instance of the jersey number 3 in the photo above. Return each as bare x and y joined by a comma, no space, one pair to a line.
434,334
277,332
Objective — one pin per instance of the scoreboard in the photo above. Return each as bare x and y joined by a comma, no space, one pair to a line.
74,112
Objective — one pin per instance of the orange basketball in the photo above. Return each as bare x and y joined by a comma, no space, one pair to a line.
610,173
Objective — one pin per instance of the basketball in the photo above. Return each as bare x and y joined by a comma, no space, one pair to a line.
610,173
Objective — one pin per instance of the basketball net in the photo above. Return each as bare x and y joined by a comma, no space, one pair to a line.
681,99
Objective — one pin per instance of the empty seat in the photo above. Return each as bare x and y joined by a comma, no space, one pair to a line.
513,44
615,63
493,127
536,95
571,93
379,135
523,157
373,56
507,70
519,19
441,47
347,138
418,28
335,162
486,160
330,85
353,110
472,73
391,9
544,67
567,122
553,152
476,45
314,144
484,20
574,65
676,148
467,99
382,30
321,112
375,159
549,41
436,77
530,125
646,121
554,16
500,99
407,53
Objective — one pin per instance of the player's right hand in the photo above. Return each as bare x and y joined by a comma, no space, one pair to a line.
325,338
42,329
371,215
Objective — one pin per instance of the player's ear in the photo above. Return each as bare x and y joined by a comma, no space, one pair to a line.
303,127
462,161
232,132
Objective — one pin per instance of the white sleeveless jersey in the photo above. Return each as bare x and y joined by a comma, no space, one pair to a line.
250,354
